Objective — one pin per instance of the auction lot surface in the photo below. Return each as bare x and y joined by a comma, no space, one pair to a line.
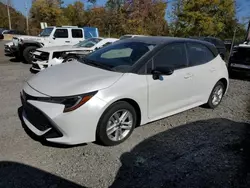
197,148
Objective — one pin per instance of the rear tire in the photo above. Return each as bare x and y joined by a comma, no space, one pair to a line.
27,54
109,131
216,95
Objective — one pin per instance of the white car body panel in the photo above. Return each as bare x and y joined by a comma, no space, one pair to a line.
185,89
67,49
68,82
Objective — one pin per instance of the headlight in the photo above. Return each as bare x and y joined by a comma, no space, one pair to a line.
71,103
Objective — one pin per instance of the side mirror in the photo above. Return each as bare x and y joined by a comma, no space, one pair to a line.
157,72
54,37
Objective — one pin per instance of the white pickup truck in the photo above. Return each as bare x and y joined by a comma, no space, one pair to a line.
24,46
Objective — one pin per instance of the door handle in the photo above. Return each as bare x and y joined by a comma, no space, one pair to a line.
67,41
212,69
188,75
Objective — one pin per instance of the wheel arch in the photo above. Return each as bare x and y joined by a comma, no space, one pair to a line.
133,103
225,83
35,44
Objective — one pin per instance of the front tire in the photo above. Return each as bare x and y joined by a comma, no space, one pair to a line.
27,54
116,124
216,95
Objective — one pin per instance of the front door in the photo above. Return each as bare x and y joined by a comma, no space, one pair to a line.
170,93
61,37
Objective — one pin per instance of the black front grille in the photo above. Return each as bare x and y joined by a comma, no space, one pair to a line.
44,56
38,118
34,115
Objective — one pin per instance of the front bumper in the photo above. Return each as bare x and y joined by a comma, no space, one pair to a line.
8,50
15,50
48,120
39,65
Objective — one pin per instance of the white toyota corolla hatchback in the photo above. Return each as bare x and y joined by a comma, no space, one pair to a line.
105,95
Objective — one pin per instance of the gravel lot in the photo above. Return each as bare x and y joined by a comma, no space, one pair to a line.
197,148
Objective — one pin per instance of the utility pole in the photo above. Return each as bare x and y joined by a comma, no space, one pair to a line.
27,17
232,45
8,11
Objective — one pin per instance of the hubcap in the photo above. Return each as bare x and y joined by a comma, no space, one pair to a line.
119,125
217,95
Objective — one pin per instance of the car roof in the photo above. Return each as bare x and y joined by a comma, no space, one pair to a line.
157,40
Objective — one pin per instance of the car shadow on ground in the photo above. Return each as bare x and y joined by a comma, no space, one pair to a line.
209,153
17,175
15,60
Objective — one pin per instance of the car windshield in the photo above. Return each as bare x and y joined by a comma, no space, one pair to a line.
88,43
46,32
118,57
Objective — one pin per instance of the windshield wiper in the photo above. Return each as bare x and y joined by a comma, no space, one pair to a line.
96,64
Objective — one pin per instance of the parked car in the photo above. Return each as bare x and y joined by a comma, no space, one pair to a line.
11,32
7,49
24,46
130,36
239,61
219,44
105,95
2,30
50,56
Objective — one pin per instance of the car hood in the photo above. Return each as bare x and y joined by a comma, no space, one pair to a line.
71,79
62,48
28,37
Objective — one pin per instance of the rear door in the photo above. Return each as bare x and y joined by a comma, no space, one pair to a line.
203,67
76,36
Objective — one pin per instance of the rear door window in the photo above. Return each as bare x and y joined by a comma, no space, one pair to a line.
77,33
199,54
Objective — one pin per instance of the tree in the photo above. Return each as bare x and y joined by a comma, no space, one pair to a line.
47,11
17,19
75,13
202,17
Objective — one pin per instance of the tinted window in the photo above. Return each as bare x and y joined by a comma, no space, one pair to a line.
61,33
106,44
46,32
199,54
77,33
172,56
88,43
